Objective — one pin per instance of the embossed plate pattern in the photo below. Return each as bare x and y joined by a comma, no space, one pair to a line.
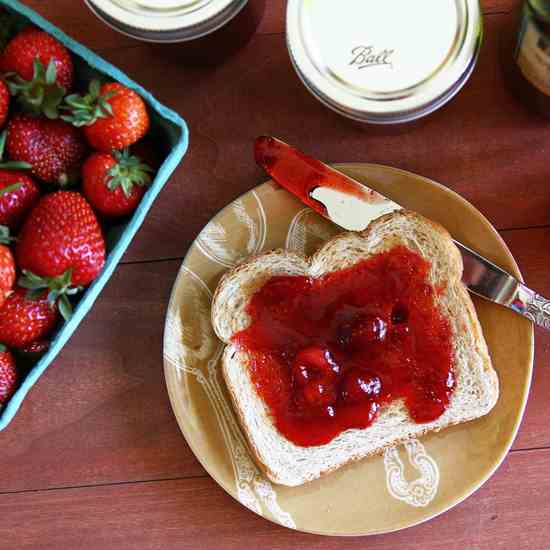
405,486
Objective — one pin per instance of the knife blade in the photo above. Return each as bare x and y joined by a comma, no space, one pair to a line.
353,206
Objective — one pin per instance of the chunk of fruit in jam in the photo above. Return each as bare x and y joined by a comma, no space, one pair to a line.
363,331
317,394
360,385
314,372
314,364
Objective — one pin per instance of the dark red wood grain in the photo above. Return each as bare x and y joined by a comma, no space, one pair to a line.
95,459
509,512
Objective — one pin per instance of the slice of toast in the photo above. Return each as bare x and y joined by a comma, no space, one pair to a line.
476,390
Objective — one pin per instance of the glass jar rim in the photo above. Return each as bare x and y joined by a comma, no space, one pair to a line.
172,21
325,70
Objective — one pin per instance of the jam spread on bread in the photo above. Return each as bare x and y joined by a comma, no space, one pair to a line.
328,353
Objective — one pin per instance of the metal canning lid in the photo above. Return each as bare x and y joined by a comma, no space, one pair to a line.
166,20
384,61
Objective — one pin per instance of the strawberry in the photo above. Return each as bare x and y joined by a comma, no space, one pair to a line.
7,266
33,44
40,96
53,148
8,375
4,102
60,247
18,192
113,116
40,71
24,319
114,183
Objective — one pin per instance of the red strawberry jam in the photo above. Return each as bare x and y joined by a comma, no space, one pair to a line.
328,353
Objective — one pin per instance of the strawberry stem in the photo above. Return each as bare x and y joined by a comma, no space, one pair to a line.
128,171
59,290
42,95
85,110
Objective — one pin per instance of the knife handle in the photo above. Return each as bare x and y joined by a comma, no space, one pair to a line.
533,306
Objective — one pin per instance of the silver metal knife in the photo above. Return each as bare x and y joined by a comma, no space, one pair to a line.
352,206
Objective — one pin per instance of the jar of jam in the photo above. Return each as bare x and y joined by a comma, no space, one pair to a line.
533,54
384,61
210,29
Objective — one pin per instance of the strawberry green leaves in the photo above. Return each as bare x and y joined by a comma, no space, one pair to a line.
128,171
59,290
85,110
40,95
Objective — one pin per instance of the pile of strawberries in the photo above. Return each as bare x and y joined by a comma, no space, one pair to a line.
64,163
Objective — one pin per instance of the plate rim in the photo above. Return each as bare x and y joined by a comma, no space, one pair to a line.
525,396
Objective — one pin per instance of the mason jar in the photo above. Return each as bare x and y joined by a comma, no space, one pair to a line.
209,28
384,61
532,56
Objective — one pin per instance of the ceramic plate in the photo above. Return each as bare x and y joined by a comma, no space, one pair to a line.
405,486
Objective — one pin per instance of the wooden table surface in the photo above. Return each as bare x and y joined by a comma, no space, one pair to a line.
95,459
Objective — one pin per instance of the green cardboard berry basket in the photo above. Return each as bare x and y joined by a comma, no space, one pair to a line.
170,132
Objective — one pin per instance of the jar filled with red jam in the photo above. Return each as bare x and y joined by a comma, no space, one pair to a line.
532,55
205,30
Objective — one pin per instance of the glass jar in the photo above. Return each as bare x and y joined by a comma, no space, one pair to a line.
384,61
532,55
210,29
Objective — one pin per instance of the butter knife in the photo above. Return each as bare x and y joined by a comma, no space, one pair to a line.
352,206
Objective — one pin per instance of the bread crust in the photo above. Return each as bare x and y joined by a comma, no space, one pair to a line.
229,316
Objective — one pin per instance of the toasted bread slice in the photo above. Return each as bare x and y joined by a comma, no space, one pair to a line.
476,390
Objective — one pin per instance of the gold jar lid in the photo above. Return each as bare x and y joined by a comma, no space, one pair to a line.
166,20
384,61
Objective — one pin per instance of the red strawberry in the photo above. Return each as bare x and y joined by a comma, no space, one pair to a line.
8,375
18,192
4,102
60,246
42,94
24,319
31,44
113,116
114,183
54,148
7,272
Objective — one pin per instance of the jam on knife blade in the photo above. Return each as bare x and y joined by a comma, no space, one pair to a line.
330,193
301,174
